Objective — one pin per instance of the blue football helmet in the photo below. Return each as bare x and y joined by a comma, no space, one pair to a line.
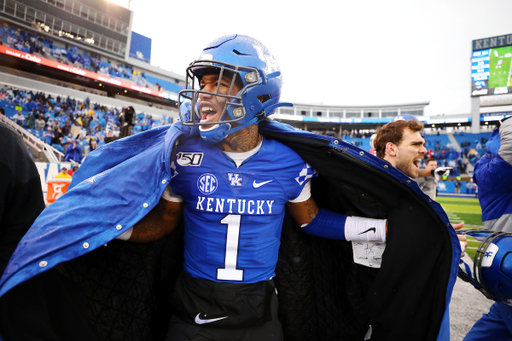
492,265
246,61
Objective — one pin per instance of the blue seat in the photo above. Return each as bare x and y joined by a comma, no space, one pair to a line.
58,147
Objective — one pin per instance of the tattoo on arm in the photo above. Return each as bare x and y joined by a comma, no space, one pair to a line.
311,208
303,212
158,223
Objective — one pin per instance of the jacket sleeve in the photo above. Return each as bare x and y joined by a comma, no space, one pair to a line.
506,140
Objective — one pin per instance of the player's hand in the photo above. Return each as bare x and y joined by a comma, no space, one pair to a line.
458,226
463,244
439,172
462,238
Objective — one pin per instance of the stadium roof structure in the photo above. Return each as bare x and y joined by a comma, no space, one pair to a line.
323,116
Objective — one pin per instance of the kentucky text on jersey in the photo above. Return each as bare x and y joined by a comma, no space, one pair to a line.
236,206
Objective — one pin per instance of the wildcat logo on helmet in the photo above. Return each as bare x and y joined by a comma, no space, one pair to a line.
207,183
268,59
189,159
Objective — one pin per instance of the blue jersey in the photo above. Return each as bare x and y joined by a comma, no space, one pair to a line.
233,216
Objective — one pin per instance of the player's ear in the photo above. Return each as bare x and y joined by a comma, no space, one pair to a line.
391,149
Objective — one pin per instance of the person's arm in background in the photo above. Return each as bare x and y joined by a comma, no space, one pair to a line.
437,173
493,172
506,140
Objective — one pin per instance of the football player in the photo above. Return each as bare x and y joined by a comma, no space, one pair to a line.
233,186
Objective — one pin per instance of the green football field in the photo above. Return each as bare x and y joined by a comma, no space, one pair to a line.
465,210
499,67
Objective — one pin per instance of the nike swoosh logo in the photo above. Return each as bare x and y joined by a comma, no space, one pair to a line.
199,320
259,184
370,229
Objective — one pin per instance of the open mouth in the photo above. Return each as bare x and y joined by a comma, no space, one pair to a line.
416,164
207,114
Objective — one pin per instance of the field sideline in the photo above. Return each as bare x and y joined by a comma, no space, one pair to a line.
465,210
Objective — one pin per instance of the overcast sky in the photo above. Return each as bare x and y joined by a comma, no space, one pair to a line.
339,52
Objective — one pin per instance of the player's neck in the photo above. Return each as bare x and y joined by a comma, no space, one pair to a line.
241,141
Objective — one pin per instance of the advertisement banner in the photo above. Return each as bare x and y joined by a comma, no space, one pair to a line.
47,172
88,74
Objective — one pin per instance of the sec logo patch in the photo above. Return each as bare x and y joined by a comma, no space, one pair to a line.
207,183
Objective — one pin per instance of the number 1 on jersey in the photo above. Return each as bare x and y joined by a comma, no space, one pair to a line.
230,272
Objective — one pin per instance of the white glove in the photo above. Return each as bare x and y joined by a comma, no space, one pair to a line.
439,172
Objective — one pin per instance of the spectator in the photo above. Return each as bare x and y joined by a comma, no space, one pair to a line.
39,123
48,136
73,152
67,139
49,124
66,129
115,133
19,118
57,135
126,121
73,170
457,185
63,174
75,130
469,186
93,145
428,184
82,143
30,122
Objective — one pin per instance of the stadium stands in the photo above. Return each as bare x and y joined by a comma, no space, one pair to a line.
28,42
97,122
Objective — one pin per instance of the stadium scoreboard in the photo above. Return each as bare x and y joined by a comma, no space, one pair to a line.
491,66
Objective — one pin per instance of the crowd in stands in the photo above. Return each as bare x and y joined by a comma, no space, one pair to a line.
445,154
33,43
71,126
438,147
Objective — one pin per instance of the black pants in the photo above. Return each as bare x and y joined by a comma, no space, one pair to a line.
183,329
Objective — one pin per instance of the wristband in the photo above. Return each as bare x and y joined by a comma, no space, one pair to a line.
360,229
327,224
333,225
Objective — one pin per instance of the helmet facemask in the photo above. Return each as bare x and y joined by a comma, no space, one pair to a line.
233,116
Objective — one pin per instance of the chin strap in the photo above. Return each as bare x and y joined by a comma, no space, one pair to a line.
218,132
277,105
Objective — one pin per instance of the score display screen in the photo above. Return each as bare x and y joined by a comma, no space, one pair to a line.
491,71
